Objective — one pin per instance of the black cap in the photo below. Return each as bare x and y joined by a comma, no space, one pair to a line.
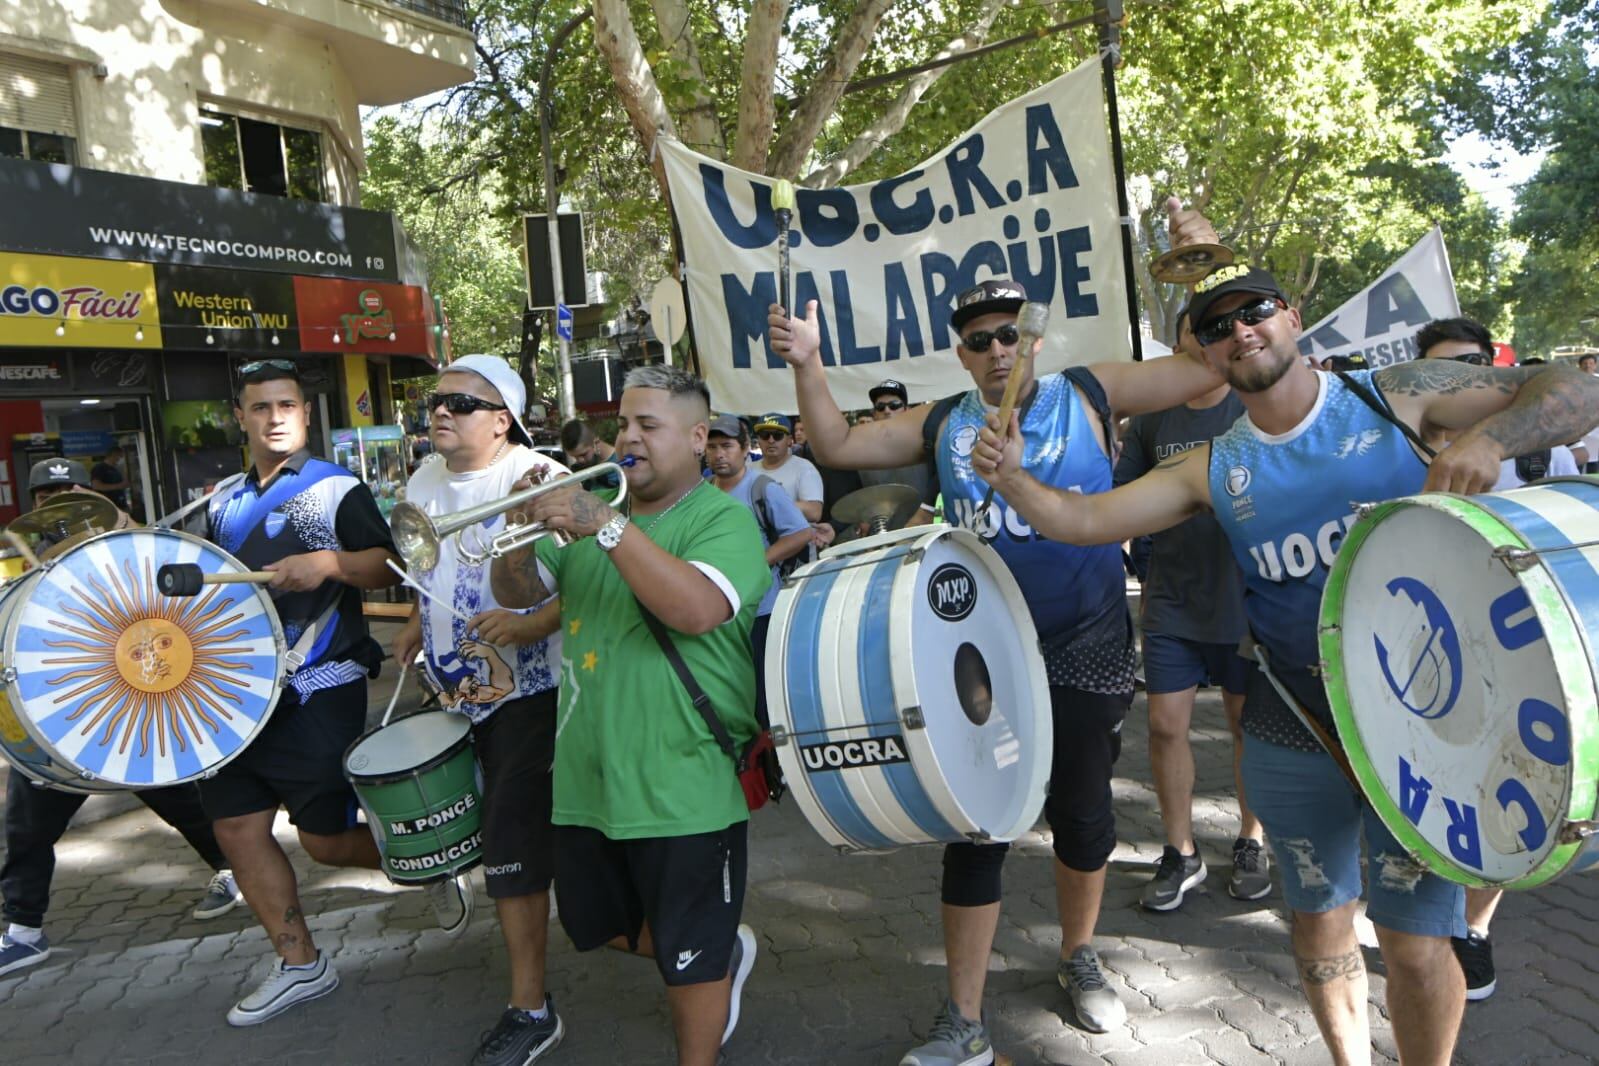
888,387
47,473
728,426
1234,277
985,298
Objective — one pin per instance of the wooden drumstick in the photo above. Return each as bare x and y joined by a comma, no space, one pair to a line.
187,579
23,550
1032,322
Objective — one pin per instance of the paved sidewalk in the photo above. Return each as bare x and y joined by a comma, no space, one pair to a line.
849,971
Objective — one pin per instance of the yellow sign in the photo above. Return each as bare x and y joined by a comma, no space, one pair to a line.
357,391
53,301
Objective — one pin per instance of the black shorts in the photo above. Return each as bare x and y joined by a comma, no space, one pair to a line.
515,749
689,889
297,762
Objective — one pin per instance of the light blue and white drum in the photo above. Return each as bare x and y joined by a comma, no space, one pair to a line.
110,685
907,693
1458,646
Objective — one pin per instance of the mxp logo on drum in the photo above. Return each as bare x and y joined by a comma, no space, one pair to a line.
952,592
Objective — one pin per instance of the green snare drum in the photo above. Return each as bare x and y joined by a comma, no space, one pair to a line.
418,783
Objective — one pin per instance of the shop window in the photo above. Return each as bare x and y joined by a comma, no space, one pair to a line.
242,153
43,147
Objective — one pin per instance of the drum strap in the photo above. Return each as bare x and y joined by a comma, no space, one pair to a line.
302,647
227,484
1323,736
1366,397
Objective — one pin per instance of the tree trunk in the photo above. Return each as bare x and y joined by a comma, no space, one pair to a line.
618,41
893,120
849,48
762,35
701,128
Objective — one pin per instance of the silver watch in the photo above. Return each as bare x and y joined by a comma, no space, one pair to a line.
609,535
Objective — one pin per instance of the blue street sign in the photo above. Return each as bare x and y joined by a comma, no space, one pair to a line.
563,322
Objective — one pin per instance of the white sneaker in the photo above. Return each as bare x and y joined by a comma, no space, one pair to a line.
282,989
221,896
452,901
739,967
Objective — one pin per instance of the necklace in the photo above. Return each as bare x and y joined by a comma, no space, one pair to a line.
658,515
504,444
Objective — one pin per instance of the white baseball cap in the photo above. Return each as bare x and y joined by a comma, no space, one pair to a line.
506,381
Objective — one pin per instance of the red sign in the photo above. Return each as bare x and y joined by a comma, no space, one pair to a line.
359,316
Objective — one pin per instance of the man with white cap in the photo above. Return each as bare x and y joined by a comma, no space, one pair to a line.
501,670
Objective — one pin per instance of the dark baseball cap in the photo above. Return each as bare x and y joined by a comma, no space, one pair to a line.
48,473
728,426
988,297
888,387
774,421
1225,280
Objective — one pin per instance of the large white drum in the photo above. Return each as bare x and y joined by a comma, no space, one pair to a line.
1458,647
107,684
907,693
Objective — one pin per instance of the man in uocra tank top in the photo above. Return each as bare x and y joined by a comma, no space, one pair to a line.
1280,483
1077,599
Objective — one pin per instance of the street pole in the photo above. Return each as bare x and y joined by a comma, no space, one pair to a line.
552,206
1110,40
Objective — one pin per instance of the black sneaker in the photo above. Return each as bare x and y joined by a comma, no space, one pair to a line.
1251,877
1175,874
1476,955
519,1038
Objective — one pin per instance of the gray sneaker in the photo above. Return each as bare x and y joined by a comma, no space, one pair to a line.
452,902
221,896
1251,877
1175,874
953,1041
1098,1007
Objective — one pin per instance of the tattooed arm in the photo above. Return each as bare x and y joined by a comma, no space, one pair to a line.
515,580
1504,411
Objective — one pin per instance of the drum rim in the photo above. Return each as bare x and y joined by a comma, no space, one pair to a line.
433,763
1495,532
8,650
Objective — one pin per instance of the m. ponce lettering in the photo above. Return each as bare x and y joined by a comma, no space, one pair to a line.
437,860
436,819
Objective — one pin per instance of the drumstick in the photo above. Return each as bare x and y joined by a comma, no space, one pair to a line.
398,685
410,582
783,213
186,579
1031,323
23,550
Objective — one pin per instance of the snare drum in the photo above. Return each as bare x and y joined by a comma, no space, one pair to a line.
908,694
108,685
1458,646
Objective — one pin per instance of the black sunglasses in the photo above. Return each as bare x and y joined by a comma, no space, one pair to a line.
1218,329
461,403
770,434
268,364
1474,358
979,340
888,405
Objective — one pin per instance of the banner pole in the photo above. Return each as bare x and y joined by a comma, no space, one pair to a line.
1110,16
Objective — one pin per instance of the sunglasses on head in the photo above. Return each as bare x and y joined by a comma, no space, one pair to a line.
461,403
268,364
1474,358
889,405
1218,329
979,340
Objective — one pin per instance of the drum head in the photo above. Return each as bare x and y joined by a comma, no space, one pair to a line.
406,745
137,689
1463,691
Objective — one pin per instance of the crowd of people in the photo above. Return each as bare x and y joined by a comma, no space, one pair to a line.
612,675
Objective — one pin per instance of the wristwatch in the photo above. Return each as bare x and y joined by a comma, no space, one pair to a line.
609,535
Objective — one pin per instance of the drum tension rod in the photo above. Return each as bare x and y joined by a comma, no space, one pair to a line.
796,577
1576,832
781,736
1518,559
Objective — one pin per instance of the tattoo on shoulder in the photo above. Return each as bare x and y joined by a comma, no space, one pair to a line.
1172,462
1426,377
1332,968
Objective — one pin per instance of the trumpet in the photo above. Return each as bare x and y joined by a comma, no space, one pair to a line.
418,537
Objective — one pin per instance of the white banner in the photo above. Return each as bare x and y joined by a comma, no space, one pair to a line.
1028,193
1381,321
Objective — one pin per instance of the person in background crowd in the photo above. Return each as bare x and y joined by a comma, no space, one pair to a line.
836,483
583,449
1192,617
500,669
109,477
799,477
801,444
651,842
37,817
888,399
1589,364
784,530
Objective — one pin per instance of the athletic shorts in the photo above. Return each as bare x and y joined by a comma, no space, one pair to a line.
515,749
296,762
688,889
1314,822
1176,664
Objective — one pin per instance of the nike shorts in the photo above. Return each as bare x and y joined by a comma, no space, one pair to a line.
689,890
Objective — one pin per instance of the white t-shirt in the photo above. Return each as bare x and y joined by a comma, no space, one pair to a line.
475,678
1561,464
799,478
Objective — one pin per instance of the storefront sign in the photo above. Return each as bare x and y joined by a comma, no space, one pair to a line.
32,374
62,210
353,316
238,310
55,302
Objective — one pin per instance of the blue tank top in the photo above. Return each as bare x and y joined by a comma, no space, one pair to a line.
1069,590
1286,501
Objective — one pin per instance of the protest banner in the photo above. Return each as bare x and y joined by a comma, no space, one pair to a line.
1380,321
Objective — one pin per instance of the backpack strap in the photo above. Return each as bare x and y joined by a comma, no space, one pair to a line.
1084,379
1371,400
702,702
934,422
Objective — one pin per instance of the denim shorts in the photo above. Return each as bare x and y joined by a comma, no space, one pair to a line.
1173,664
1314,822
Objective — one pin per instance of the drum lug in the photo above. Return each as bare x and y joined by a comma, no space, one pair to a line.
8,676
1363,510
912,717
1576,832
979,836
1516,559
779,736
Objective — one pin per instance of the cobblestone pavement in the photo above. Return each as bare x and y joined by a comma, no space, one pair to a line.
849,970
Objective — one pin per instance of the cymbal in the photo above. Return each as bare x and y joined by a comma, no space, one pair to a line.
1191,262
874,502
74,510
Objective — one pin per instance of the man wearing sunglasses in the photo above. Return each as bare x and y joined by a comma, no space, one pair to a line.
500,669
1076,596
1280,482
888,399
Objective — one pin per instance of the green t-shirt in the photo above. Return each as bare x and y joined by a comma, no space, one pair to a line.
633,758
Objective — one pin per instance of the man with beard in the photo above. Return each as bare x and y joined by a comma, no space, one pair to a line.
1284,471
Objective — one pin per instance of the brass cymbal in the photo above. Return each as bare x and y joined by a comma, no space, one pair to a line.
876,502
1186,265
70,512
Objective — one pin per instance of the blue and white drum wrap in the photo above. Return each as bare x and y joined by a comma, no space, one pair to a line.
1458,642
905,683
117,686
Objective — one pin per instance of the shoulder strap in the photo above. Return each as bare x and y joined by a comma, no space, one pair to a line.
935,421
295,656
702,702
1370,400
1084,379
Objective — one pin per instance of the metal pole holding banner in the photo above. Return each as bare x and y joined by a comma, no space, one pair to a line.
1110,15
552,206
